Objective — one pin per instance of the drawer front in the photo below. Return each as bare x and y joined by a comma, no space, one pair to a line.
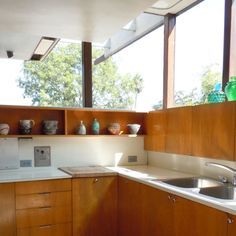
44,186
49,230
43,200
43,216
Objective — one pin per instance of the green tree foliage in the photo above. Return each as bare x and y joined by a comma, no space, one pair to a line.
57,81
208,79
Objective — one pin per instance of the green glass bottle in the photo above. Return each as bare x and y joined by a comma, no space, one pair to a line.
95,127
217,95
230,89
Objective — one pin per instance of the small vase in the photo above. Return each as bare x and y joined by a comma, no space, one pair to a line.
95,127
82,129
230,89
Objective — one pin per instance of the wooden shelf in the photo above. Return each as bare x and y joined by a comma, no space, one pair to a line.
68,120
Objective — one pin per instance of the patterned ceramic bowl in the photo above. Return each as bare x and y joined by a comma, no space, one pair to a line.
114,128
4,129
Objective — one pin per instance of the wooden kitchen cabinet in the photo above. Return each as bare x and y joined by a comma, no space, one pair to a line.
143,210
195,219
231,225
44,208
213,131
155,123
7,210
179,130
95,206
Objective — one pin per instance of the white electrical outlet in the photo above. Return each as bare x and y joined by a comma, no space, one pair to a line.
42,156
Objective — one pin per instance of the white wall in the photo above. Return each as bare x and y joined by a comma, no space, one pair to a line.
189,164
84,151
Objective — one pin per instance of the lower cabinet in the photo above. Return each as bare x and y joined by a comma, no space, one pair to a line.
144,210
7,210
44,208
95,206
231,225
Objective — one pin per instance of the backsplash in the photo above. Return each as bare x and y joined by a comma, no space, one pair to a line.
189,164
84,151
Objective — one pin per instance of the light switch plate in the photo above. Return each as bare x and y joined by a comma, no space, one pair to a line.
42,156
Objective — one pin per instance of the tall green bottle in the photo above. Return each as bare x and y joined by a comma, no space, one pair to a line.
230,89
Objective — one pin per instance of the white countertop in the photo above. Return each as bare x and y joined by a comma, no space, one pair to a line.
31,174
145,175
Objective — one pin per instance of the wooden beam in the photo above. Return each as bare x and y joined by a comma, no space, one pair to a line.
169,60
87,74
227,38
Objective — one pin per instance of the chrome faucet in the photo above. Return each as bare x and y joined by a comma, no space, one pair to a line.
230,169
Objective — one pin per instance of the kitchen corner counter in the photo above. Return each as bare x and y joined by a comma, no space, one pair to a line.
31,174
145,175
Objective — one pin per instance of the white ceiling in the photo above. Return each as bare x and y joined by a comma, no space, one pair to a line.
24,22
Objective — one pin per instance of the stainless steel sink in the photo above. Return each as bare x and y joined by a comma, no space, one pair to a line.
223,192
193,182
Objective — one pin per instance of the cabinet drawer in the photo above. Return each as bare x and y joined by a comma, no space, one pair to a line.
43,200
49,230
43,216
44,186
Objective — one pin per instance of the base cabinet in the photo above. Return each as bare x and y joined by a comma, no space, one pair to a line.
95,206
144,210
7,210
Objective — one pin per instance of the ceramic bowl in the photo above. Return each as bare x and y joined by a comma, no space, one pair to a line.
4,129
133,128
114,128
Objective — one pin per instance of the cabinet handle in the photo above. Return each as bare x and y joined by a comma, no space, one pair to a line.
174,199
95,180
230,221
169,197
45,226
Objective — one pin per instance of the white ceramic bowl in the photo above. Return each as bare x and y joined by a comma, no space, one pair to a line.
4,129
133,128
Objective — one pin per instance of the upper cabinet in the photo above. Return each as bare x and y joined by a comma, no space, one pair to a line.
155,124
213,130
178,130
204,131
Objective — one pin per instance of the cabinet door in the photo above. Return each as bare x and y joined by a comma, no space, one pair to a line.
94,206
179,130
156,128
231,225
157,212
7,210
130,208
195,219
214,130
144,210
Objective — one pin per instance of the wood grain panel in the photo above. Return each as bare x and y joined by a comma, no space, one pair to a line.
95,206
7,210
50,230
156,131
104,118
179,130
43,200
214,131
198,219
232,226
43,186
43,216
144,210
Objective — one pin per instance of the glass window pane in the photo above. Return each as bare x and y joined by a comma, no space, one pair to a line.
132,78
199,52
55,81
